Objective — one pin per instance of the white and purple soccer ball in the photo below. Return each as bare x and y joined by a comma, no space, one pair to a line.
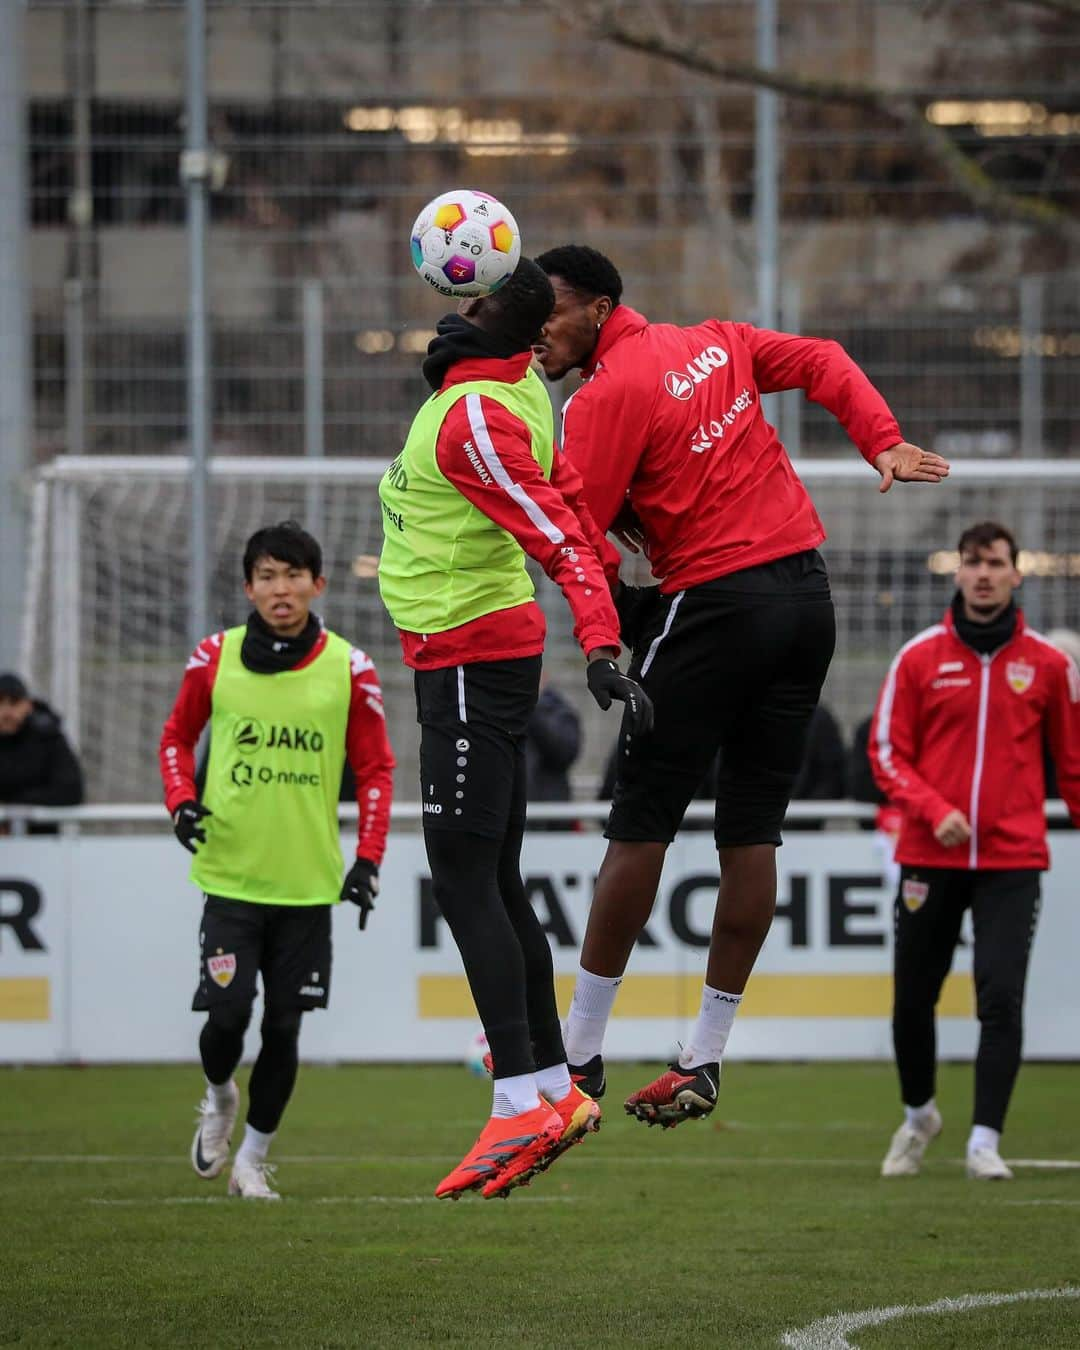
465,243
474,1055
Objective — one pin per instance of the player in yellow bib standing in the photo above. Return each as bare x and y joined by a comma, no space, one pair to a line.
288,702
477,486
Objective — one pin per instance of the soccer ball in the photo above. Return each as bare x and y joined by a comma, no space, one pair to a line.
465,243
474,1055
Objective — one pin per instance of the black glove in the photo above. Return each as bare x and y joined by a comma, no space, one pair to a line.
606,681
361,886
186,825
635,606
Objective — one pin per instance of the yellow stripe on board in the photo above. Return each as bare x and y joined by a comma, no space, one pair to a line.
24,998
679,996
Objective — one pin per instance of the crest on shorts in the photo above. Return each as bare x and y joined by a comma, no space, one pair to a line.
914,893
222,968
1020,675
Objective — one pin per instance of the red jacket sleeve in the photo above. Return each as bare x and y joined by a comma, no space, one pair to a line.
486,452
370,758
184,725
1063,734
830,377
892,747
602,415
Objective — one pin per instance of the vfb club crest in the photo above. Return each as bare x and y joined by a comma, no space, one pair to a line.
1019,675
222,968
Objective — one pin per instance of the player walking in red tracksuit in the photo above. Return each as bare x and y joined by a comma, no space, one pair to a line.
734,652
957,744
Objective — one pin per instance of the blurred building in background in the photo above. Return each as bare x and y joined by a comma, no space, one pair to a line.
333,122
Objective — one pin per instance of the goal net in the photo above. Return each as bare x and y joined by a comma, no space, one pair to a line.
106,624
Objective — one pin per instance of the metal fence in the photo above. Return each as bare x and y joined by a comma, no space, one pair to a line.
332,122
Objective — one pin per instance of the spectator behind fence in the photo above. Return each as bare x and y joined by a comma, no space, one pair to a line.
37,765
552,744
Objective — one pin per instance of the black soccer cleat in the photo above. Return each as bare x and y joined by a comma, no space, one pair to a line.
589,1077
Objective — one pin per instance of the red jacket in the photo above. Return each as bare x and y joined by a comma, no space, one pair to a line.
955,730
367,747
547,517
673,415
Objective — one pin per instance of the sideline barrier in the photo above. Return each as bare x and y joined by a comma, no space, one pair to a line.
98,948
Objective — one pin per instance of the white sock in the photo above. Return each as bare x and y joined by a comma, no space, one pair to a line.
221,1094
982,1136
709,1035
554,1082
514,1095
918,1116
255,1146
590,1008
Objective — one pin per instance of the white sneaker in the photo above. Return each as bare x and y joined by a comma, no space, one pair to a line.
249,1180
905,1155
986,1164
210,1147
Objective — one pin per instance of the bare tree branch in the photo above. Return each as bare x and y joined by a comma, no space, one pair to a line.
602,19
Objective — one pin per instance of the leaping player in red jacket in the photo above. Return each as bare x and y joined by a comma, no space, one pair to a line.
957,743
734,650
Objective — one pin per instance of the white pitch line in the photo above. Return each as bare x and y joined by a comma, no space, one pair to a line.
133,1203
831,1333
1028,1203
408,1160
1050,1164
420,1159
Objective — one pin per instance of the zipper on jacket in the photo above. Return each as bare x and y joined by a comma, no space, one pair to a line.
980,750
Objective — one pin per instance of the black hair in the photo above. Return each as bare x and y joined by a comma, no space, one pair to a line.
521,306
985,534
584,269
286,542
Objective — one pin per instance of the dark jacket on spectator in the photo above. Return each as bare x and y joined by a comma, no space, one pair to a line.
37,765
552,744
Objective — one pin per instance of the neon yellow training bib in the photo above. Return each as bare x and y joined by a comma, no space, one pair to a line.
277,747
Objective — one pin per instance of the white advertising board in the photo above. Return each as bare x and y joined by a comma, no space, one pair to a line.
99,953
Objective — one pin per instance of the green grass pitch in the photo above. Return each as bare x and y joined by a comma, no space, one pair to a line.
729,1232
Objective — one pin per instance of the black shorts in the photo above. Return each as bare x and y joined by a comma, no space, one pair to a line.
289,944
734,665
473,720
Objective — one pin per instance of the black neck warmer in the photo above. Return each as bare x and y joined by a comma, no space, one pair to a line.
266,653
984,637
460,340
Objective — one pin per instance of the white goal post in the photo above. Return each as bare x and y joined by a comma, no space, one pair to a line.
105,628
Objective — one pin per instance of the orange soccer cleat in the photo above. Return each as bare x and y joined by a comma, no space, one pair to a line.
505,1155
580,1116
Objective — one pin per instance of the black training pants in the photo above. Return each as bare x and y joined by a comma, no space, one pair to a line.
473,720
929,909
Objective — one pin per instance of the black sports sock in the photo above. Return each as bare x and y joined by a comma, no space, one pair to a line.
274,1073
464,875
221,1041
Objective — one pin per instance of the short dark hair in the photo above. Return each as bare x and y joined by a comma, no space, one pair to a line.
984,535
521,306
286,542
584,269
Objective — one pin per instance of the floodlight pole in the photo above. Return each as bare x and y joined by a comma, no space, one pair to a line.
16,411
766,186
195,173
